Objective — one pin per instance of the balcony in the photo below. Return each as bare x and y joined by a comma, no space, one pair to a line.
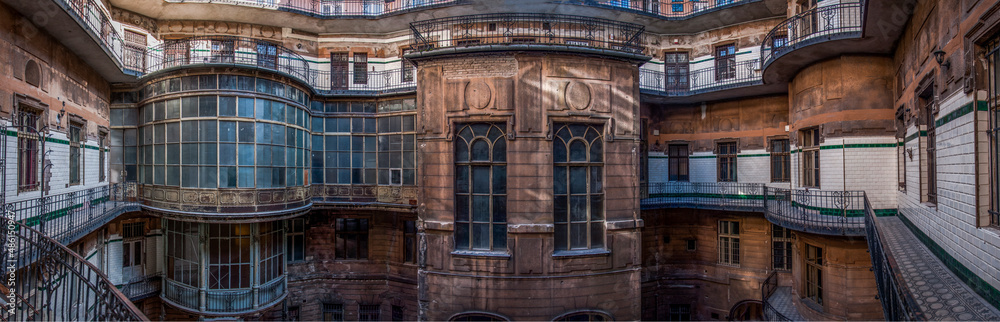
49,282
706,84
224,302
837,213
327,9
257,54
69,216
825,32
527,32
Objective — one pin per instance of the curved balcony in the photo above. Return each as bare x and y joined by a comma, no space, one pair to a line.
328,9
224,269
706,84
52,283
811,36
838,213
527,32
263,55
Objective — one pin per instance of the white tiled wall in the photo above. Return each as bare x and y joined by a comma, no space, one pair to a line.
952,223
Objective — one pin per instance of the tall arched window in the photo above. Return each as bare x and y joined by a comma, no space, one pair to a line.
578,187
481,188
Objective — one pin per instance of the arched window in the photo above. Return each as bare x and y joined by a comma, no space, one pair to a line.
481,188
478,316
578,187
32,75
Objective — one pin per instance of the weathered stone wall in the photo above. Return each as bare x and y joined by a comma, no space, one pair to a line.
526,94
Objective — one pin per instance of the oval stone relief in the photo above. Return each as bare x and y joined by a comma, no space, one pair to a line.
578,95
478,94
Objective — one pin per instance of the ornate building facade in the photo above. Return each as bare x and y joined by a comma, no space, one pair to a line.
531,160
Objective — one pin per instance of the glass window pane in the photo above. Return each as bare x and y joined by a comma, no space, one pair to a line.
462,179
499,237
227,154
480,236
207,106
578,235
246,179
577,151
208,131
578,208
208,154
559,180
189,177
462,236
208,177
227,177
596,151
577,180
462,208
189,106
560,208
481,179
481,208
227,106
596,180
499,179
480,150
189,131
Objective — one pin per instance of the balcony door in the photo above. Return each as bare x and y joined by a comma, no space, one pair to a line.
675,69
339,70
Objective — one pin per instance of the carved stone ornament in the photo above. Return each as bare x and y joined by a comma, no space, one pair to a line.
478,95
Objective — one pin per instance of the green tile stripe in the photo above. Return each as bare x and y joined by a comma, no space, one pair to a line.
885,212
960,112
858,145
33,221
753,155
832,211
53,140
914,136
706,195
977,284
702,157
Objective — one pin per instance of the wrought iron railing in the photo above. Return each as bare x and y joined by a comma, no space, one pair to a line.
767,289
334,8
822,212
813,26
817,211
69,216
142,287
206,50
527,29
667,9
94,18
388,81
44,280
897,305
715,78
706,195
225,301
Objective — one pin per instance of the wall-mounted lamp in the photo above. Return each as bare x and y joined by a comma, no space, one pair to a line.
909,153
939,57
59,117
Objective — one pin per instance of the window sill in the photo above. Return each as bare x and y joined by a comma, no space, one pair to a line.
581,253
481,254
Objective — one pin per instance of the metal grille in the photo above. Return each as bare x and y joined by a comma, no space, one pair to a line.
360,68
727,161
75,157
133,230
368,312
28,142
780,161
333,312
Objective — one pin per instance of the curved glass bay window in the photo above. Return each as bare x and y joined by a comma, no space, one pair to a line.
481,188
578,189
228,262
223,132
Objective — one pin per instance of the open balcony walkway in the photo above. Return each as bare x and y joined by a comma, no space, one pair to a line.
938,293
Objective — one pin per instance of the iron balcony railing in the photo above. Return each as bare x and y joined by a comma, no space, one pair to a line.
94,18
767,289
46,281
817,25
225,301
666,9
142,287
715,78
897,305
259,54
509,29
69,216
838,213
207,50
334,8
